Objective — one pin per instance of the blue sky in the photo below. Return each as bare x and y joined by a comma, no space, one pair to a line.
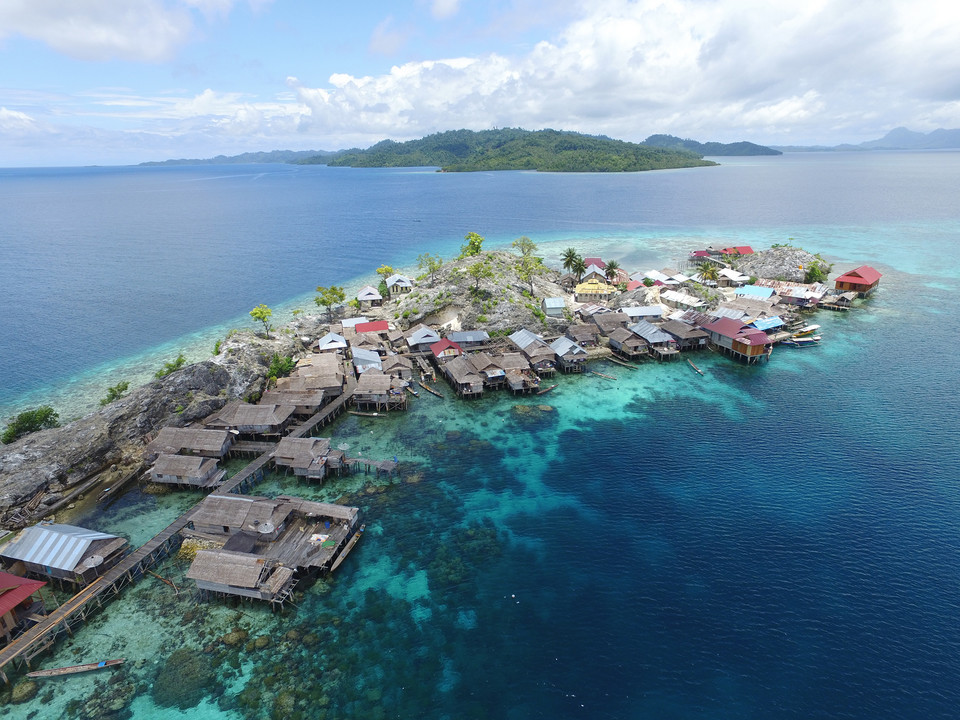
124,81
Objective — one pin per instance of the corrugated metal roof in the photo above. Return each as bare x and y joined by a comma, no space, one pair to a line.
554,302
642,311
650,333
563,345
754,291
767,323
523,338
469,336
52,545
423,335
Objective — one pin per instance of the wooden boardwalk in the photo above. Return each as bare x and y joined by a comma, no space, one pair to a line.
42,635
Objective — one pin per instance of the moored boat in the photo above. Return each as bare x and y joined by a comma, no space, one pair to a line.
806,330
70,669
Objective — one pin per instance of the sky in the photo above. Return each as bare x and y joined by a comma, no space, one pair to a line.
115,82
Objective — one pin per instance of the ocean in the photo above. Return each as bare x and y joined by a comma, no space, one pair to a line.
778,541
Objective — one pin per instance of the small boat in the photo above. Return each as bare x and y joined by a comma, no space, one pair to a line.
365,414
412,391
546,390
799,342
429,389
806,330
69,670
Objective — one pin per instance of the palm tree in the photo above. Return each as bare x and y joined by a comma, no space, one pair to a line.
611,270
709,272
570,257
579,268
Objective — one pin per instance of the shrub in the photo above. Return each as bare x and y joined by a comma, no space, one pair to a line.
115,392
280,366
30,421
170,367
216,347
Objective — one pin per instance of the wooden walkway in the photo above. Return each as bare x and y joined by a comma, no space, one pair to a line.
42,635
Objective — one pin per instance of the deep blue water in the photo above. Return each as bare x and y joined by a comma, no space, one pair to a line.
778,541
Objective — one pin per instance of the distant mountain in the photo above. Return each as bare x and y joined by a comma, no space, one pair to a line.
709,148
897,139
516,149
274,156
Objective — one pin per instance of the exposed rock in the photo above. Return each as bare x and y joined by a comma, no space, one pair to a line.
780,263
24,691
184,680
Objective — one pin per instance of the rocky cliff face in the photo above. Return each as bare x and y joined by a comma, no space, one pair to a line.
780,263
44,465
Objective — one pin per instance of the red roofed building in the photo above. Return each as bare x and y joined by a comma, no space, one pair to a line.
737,250
377,326
594,261
863,280
740,341
633,285
16,601
446,349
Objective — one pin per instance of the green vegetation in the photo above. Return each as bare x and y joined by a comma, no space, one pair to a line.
611,270
480,270
473,246
710,148
429,264
115,392
29,421
710,271
280,366
169,367
216,347
516,149
261,313
529,265
385,271
329,296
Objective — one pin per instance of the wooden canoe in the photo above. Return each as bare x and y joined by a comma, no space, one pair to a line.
69,670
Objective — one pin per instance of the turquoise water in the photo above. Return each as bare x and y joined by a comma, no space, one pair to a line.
764,542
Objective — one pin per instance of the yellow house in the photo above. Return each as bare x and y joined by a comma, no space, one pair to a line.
594,289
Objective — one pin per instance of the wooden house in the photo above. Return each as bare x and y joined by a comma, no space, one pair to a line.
247,419
421,337
680,300
399,284
307,457
571,358
446,349
65,552
189,441
650,313
687,337
189,470
268,544
487,368
539,354
331,343
553,306
738,340
365,360
369,297
305,402
661,344
330,385
594,272
397,366
584,334
469,339
728,277
377,328
610,321
518,374
863,281
463,377
374,391
627,344
595,261
19,603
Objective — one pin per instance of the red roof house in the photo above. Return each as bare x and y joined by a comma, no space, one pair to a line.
863,280
738,340
446,349
594,261
15,592
737,250
377,326
633,285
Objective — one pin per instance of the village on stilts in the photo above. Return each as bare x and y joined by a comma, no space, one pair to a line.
249,547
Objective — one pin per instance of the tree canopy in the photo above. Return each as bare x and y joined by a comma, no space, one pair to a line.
473,246
261,313
330,296
517,149
30,421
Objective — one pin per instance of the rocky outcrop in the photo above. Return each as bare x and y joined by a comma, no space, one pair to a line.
41,467
780,263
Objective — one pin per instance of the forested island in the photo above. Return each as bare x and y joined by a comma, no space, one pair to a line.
716,149
516,149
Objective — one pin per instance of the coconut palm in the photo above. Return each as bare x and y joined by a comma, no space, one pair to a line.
612,270
709,272
579,268
569,258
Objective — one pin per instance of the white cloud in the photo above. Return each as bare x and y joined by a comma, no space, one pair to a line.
731,70
13,122
140,30
443,9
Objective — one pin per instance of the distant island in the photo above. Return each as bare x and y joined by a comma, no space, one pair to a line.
897,139
273,156
716,149
516,149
